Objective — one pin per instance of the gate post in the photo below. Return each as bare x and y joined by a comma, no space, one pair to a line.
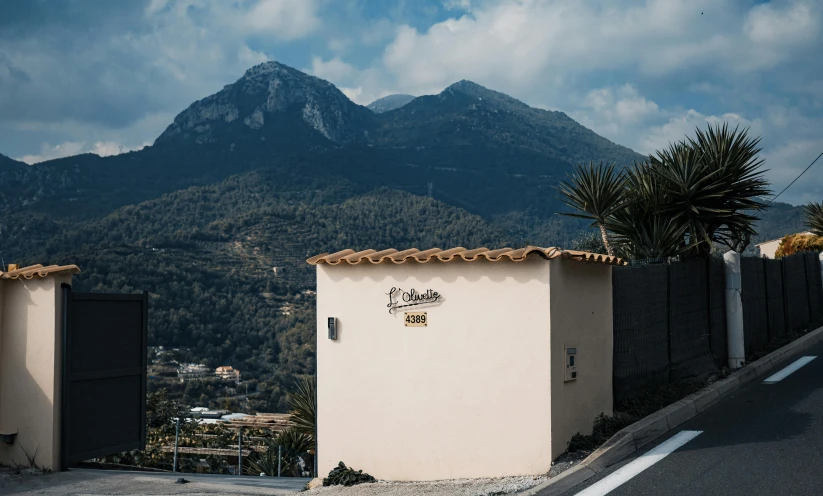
240,451
734,310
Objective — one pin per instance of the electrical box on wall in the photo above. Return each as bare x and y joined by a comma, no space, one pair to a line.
332,328
571,363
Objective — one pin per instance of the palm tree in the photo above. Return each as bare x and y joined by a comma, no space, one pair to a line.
303,404
596,192
683,200
814,217
712,181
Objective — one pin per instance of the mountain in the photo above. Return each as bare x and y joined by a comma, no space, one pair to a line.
217,217
390,102
275,102
479,149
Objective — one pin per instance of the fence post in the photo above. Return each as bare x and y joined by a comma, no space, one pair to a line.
279,455
808,289
766,292
821,265
669,320
240,451
176,440
734,310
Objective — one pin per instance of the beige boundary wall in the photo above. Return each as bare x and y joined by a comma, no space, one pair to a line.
30,366
479,391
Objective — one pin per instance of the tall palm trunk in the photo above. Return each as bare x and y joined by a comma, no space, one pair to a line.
605,236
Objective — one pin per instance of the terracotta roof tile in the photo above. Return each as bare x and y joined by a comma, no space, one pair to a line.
351,257
33,271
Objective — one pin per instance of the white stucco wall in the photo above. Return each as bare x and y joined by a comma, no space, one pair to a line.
467,396
30,344
769,248
581,316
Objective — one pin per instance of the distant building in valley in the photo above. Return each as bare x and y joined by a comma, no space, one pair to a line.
189,371
227,373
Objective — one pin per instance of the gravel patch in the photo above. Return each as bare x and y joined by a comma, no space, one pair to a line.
567,461
104,482
456,487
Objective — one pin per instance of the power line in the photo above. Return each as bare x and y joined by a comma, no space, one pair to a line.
795,179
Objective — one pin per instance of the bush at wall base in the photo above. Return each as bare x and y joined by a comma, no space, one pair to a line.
344,476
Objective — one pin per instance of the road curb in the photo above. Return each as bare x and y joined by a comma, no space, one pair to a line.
632,438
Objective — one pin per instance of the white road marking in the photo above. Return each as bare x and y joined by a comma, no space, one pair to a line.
624,474
779,376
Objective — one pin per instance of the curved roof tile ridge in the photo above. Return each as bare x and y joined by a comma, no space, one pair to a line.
391,255
38,270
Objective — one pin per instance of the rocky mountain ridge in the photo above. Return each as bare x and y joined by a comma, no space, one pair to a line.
390,102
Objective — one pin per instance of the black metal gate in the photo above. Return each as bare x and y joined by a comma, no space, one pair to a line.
104,374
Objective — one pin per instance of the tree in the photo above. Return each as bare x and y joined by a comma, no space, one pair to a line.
303,404
814,217
712,181
596,191
683,200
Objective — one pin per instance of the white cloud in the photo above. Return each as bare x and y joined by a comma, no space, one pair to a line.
284,19
332,70
510,45
790,23
71,148
624,105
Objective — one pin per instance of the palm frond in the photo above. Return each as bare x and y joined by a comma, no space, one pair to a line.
814,217
303,404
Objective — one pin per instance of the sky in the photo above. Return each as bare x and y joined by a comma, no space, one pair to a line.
106,77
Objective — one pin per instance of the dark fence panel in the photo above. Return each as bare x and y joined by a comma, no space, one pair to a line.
717,310
691,353
640,308
755,304
670,319
813,278
774,290
796,291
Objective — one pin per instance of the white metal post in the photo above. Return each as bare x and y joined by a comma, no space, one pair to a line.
821,265
734,310
176,442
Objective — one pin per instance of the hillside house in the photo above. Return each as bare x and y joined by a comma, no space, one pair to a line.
767,249
227,373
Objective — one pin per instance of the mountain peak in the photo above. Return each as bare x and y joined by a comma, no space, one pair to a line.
466,86
474,90
271,94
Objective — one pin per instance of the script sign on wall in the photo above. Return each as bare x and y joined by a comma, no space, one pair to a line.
401,299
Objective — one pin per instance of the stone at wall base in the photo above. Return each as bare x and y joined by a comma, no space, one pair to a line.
314,483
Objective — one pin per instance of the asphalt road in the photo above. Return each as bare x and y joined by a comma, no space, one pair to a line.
764,439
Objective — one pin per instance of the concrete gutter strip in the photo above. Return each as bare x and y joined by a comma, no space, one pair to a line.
632,438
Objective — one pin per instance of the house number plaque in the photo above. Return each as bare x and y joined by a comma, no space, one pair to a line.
416,319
